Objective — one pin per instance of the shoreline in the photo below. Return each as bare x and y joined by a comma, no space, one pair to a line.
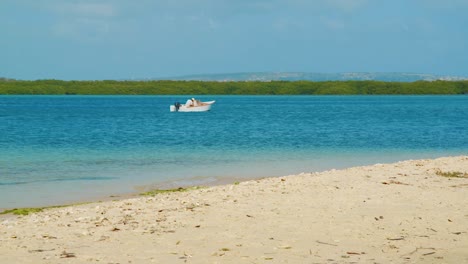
188,184
408,211
140,189
134,190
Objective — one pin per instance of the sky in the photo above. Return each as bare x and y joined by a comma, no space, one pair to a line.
138,39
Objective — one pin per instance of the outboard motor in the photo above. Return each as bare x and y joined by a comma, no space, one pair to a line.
177,106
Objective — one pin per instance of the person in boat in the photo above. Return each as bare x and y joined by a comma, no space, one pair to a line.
189,103
195,102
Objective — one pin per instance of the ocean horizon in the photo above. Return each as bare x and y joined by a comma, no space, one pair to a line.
64,149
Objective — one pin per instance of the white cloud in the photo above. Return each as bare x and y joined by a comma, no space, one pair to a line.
83,20
85,9
100,17
446,4
82,29
319,5
347,5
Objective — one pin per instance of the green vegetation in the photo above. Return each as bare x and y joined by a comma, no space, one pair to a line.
26,211
180,189
31,210
452,174
22,211
58,87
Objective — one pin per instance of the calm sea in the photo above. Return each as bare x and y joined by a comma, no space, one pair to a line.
60,149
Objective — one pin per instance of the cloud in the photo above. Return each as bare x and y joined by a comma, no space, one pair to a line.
80,18
84,20
446,4
84,9
82,29
347,5
320,5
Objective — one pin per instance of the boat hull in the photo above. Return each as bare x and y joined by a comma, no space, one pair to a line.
206,106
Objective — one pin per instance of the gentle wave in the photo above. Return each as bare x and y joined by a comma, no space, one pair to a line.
91,178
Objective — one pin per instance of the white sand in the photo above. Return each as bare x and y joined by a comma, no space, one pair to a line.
386,213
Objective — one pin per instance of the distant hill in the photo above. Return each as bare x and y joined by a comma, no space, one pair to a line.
301,76
298,76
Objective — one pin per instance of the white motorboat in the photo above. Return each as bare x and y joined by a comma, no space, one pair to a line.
197,107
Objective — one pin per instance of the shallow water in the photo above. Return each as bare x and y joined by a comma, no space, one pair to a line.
58,149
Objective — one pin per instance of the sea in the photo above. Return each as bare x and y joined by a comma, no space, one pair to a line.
67,149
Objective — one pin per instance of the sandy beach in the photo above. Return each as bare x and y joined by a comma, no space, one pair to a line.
406,212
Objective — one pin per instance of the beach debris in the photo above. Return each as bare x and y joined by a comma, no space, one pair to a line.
355,253
197,226
101,222
224,249
451,174
459,185
40,250
325,243
115,229
48,236
248,215
185,256
457,233
285,247
427,254
65,254
127,219
398,238
394,182
167,191
417,249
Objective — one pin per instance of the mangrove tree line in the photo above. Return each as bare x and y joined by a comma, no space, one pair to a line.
59,87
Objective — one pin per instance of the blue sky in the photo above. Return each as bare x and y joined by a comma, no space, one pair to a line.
123,39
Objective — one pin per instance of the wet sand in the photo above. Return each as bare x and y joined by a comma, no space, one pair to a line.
386,213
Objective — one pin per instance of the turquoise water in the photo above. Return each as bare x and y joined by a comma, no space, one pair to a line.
58,149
